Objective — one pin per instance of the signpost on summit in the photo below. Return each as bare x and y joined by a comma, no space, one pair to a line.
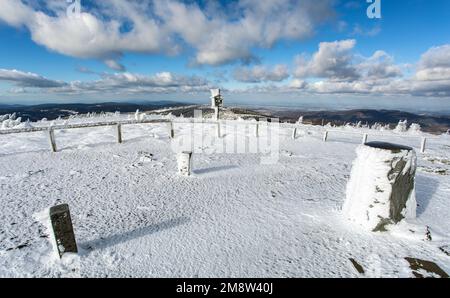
216,102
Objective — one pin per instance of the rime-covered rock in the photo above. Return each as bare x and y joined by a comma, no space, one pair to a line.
381,190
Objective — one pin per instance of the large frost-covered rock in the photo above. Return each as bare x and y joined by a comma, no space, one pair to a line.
381,189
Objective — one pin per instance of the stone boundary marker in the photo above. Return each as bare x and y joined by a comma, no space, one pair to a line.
61,224
381,190
184,160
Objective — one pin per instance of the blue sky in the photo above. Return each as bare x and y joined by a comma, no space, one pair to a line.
270,52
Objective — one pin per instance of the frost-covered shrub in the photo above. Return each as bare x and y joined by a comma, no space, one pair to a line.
380,126
26,124
414,128
300,120
402,126
376,126
138,116
386,127
9,121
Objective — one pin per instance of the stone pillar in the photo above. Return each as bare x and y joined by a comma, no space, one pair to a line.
184,160
381,190
61,224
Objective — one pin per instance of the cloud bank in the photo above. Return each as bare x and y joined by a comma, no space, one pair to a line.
117,83
219,33
259,74
334,68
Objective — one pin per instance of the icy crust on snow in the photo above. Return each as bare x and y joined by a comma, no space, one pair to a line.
370,188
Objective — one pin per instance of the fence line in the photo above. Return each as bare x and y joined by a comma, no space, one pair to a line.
81,125
373,133
326,132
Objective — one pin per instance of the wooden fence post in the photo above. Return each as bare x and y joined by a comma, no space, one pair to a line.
172,131
119,133
51,136
423,145
364,140
294,133
325,136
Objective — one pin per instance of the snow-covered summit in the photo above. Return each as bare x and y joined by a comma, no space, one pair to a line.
133,214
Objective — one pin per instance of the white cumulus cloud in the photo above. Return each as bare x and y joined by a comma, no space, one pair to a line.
258,74
218,33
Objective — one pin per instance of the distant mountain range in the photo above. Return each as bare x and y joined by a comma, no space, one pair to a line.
428,122
53,111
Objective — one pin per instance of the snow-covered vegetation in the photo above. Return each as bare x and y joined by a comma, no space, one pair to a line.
9,121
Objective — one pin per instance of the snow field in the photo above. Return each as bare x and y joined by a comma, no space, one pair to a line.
135,216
